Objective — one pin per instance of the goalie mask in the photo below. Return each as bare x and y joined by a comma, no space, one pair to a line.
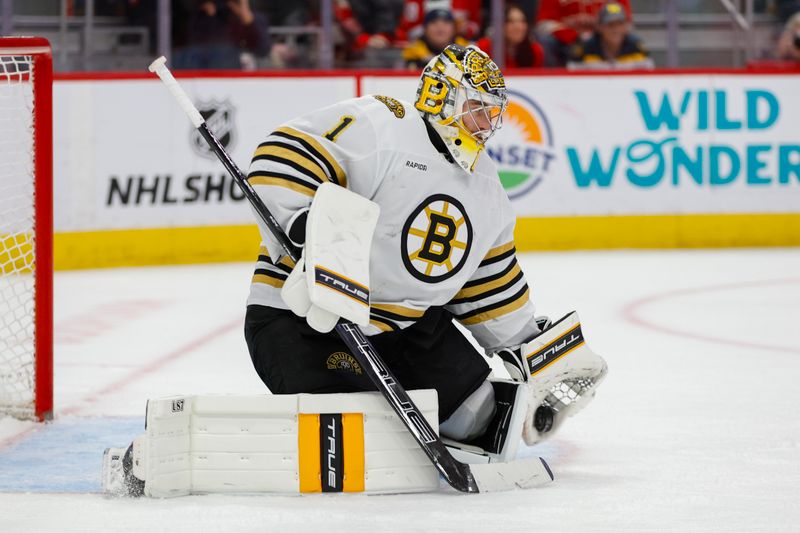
462,94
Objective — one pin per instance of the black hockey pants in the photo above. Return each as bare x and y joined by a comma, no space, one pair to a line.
291,357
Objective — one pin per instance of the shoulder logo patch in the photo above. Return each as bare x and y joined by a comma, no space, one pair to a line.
393,105
436,239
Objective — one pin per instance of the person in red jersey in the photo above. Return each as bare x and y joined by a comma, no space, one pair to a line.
563,23
522,51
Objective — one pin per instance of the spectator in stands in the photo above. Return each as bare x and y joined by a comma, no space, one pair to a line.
293,48
288,13
466,13
138,13
100,8
529,7
789,42
439,32
786,8
563,23
469,17
521,50
143,13
410,26
369,23
611,46
220,34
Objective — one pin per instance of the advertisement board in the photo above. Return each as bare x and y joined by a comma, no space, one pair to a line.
644,145
127,157
588,161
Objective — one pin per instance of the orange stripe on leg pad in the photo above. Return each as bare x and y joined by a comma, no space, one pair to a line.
308,454
353,435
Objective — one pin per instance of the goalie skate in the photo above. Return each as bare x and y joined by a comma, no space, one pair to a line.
117,478
113,477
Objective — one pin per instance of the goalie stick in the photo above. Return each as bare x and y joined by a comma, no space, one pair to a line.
463,477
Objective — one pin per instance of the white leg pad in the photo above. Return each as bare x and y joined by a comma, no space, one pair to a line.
350,442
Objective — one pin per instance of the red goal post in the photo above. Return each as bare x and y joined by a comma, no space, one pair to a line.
26,228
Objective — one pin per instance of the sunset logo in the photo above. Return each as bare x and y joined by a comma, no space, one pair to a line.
523,147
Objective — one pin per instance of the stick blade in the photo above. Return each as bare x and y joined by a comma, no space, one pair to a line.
521,474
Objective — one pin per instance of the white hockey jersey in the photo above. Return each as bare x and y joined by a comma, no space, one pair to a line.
444,237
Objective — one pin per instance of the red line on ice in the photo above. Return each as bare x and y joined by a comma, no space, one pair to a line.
102,319
13,439
631,310
131,377
153,366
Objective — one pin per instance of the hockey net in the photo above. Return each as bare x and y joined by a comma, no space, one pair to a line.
26,389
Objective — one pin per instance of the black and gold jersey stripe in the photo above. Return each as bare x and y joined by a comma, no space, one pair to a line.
496,309
397,312
280,266
312,146
269,277
497,288
498,253
393,316
482,288
261,177
270,273
285,261
382,324
293,156
296,161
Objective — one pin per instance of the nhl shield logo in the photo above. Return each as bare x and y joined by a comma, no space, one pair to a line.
219,117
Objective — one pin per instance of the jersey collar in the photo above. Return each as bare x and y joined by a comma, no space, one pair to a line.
437,141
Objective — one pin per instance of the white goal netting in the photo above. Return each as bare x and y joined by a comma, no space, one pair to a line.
17,238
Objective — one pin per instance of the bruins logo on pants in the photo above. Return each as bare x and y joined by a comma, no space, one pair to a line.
436,239
343,361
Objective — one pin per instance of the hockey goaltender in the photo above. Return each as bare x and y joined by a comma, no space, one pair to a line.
404,229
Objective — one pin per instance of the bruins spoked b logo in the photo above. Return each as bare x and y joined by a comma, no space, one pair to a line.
436,239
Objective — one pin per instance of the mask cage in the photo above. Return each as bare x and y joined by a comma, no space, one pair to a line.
480,109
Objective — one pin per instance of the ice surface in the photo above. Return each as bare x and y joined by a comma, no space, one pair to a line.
696,427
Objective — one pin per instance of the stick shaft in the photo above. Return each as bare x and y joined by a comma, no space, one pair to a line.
159,66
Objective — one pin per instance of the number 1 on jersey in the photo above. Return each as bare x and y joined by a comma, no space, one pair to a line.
337,130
